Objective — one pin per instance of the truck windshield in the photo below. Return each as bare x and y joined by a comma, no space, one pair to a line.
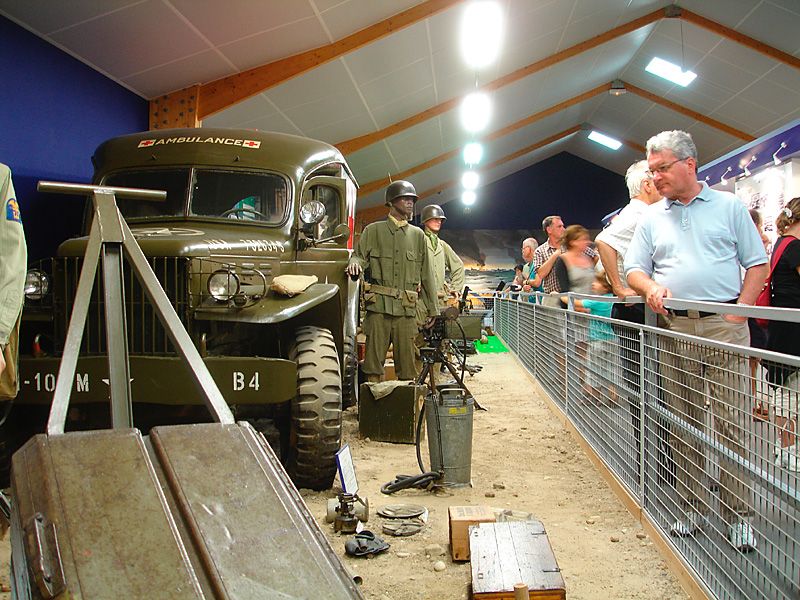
174,182
237,195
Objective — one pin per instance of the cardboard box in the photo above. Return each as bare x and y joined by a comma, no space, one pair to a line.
392,418
460,518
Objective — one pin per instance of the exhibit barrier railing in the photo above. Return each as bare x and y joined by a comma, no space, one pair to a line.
671,415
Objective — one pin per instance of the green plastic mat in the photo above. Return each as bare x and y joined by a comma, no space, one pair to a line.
494,346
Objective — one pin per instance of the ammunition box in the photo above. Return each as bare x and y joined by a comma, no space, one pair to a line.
392,418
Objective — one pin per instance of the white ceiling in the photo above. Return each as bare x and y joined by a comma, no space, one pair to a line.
154,47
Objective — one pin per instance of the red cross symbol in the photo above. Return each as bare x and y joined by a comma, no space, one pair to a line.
145,143
251,144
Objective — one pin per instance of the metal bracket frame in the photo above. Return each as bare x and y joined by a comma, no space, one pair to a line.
110,242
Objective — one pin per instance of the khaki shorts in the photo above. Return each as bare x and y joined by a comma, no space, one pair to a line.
9,378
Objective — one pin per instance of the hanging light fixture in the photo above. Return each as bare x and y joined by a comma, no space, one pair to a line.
468,197
481,33
470,180
476,111
722,179
473,153
617,88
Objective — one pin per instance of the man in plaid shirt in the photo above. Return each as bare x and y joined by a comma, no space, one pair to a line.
553,226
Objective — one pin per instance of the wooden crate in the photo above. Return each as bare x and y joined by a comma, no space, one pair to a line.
504,554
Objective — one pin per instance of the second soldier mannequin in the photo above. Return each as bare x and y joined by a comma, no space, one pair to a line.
398,271
443,260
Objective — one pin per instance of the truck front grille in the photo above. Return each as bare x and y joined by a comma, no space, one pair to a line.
146,335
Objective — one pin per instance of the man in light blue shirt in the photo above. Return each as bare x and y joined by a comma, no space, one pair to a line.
692,245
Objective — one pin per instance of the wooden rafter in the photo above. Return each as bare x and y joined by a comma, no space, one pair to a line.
371,186
222,93
739,38
351,145
373,213
689,112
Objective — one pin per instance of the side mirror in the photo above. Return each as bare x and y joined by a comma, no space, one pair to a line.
341,232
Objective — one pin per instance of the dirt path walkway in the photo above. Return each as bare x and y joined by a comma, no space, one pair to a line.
523,456
528,462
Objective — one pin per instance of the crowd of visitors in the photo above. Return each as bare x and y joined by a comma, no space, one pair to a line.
678,237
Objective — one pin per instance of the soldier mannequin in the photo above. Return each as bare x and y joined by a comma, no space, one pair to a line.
13,265
395,254
443,259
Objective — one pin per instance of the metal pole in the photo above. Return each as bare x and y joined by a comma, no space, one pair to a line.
114,306
647,356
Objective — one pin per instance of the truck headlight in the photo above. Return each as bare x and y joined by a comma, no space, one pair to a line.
36,284
223,285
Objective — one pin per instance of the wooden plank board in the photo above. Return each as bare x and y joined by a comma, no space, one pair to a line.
504,554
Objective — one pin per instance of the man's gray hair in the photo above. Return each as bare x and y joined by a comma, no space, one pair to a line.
636,174
678,142
549,221
530,242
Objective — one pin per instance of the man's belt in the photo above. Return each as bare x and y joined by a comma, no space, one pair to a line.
387,291
697,314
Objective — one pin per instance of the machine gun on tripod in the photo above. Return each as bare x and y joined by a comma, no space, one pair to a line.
433,353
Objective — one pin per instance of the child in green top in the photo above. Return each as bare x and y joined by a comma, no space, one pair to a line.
603,357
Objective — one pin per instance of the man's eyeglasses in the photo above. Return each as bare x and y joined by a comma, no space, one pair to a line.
663,168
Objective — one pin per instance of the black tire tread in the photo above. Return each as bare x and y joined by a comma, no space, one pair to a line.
317,410
349,373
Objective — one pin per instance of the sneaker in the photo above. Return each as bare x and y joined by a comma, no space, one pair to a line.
742,536
687,525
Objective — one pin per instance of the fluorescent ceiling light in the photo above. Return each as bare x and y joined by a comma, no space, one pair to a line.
473,153
606,141
468,197
475,112
470,180
481,33
670,71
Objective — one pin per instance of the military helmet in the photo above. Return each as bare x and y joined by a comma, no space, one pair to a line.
432,211
399,188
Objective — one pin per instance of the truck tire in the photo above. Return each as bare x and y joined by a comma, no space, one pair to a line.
349,373
316,421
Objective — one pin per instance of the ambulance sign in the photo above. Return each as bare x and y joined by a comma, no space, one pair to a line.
200,140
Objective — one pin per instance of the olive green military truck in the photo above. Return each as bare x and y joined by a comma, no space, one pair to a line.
242,208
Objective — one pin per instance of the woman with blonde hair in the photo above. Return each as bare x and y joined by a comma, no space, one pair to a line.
785,337
574,268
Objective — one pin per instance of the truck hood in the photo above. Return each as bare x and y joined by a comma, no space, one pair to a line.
198,239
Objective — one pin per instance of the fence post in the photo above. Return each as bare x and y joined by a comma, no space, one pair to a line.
566,361
647,357
533,342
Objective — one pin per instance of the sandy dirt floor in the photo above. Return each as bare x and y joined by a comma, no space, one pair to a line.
523,459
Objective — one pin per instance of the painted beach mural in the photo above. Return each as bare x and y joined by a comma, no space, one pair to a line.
489,255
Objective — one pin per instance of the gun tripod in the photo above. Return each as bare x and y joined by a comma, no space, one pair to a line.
430,355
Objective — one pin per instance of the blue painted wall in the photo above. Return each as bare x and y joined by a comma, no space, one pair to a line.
566,185
55,113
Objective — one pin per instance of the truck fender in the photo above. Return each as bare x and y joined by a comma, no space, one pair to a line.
272,308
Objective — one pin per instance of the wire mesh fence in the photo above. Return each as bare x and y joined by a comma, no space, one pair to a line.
669,408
